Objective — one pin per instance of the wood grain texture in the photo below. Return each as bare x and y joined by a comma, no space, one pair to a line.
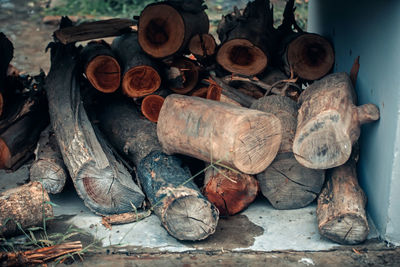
247,140
100,180
341,207
328,122
25,205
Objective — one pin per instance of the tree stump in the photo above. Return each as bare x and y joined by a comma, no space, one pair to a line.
140,75
247,39
286,183
244,139
24,205
231,192
329,122
100,67
166,28
100,180
341,207
175,198
48,167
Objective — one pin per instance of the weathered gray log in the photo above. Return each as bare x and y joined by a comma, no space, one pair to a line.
140,76
328,122
174,197
48,167
165,28
100,180
24,205
341,207
286,183
244,139
101,67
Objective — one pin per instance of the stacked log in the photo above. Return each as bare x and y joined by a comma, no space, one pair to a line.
286,183
7,49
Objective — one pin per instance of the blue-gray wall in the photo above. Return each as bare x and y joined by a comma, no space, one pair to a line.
371,29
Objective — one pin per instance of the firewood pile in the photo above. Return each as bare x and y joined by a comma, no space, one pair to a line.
132,121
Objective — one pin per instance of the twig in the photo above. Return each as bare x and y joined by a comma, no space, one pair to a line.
124,218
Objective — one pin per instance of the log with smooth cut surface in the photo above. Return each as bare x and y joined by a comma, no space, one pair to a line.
165,29
188,73
202,45
328,123
151,106
247,140
140,76
286,183
341,207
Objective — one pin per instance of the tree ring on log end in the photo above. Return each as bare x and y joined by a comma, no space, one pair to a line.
322,144
5,155
257,143
104,73
348,229
196,223
241,56
50,174
190,75
140,81
311,56
161,30
151,107
202,45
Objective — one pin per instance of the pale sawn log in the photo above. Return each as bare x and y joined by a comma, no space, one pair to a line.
341,210
100,180
48,167
286,183
26,205
244,139
328,123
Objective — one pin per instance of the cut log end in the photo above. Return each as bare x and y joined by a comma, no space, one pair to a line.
104,73
141,81
202,45
347,229
5,155
311,56
161,30
189,73
50,174
196,223
214,92
253,149
151,107
241,56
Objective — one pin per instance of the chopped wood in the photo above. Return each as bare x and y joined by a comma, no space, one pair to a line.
341,207
140,72
101,67
186,72
354,71
286,183
202,45
7,50
23,207
48,167
166,28
151,107
244,139
230,191
100,179
329,122
93,30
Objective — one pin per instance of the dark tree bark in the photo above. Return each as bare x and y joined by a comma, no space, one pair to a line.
7,50
100,180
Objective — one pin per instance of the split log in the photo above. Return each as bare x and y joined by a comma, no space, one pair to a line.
186,71
341,207
247,39
231,192
23,206
48,167
286,183
329,122
100,180
166,28
174,197
93,30
19,138
151,107
100,67
202,45
247,140
140,75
